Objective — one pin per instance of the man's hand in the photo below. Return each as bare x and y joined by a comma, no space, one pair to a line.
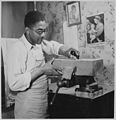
50,69
73,53
69,52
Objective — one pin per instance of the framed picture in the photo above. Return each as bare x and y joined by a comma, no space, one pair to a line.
95,29
73,13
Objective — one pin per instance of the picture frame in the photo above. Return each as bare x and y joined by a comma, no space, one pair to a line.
73,13
95,29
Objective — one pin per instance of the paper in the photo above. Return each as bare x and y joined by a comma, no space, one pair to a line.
70,35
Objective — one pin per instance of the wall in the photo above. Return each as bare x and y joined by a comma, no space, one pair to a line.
106,50
12,18
55,13
13,14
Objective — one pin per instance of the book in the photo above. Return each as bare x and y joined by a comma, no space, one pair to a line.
89,93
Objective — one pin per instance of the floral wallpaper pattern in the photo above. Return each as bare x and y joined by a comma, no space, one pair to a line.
56,15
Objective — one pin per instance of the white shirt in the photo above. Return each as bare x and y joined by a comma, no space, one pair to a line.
22,59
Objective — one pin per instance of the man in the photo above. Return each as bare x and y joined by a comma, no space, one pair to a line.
27,70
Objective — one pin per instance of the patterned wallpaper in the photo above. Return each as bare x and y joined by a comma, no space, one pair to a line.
56,15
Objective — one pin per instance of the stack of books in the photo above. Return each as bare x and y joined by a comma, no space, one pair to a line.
90,91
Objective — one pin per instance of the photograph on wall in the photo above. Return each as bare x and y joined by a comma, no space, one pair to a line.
73,13
95,29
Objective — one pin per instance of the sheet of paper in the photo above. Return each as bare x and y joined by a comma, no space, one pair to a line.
70,35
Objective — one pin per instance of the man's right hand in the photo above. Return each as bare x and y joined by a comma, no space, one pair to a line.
50,69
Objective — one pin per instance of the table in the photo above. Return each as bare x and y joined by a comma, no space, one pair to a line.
69,106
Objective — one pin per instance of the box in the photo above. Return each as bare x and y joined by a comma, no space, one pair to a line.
84,66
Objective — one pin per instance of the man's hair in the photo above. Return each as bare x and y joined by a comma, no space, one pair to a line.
32,17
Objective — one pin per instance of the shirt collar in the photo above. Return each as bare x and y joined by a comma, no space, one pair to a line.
27,44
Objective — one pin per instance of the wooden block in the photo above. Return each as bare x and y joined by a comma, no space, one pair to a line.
84,66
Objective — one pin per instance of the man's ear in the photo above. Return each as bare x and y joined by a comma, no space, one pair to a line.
27,30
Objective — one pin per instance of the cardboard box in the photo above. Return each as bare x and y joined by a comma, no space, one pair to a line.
84,66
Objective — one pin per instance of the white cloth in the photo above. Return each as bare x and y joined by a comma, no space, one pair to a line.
31,102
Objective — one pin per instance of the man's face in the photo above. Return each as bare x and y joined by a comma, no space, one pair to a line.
38,32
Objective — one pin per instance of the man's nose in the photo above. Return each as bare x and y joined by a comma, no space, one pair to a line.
43,34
